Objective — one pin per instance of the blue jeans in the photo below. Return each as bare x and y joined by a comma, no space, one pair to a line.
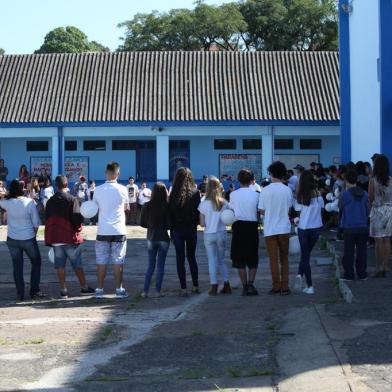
30,247
215,244
157,251
307,240
186,239
355,246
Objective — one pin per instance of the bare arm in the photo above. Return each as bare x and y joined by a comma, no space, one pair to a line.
202,220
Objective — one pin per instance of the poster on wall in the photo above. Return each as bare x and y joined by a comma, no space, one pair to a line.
74,167
231,164
41,166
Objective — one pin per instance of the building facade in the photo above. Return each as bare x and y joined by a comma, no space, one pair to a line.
155,111
365,37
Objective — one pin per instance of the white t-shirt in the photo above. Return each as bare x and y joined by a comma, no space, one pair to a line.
255,187
276,200
111,198
310,216
292,183
144,196
132,193
213,223
243,202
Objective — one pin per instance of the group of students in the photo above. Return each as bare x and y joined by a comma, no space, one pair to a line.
175,215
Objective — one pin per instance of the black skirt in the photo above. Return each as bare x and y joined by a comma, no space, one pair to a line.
245,244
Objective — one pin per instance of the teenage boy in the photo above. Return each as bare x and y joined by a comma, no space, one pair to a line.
63,226
354,209
133,193
111,244
245,234
275,203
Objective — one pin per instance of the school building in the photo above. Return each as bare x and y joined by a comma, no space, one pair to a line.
214,112
365,41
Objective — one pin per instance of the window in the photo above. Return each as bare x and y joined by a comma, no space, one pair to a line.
310,144
251,144
123,145
94,145
37,145
225,144
71,145
179,144
283,144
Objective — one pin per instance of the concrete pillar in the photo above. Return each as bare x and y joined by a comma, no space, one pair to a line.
61,150
55,156
267,152
162,157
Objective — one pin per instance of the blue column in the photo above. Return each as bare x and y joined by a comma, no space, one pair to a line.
345,85
386,76
162,142
55,156
267,152
61,149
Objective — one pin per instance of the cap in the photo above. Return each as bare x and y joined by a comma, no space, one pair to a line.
299,167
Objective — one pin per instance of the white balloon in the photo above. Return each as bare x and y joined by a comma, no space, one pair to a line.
329,196
335,205
328,207
328,182
337,192
51,255
89,209
227,217
294,246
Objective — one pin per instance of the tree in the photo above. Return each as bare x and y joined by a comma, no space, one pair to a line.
2,51
69,40
290,24
183,29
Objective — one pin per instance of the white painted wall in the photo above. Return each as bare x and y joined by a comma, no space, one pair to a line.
365,88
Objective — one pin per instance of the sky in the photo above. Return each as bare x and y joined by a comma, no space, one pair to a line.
24,23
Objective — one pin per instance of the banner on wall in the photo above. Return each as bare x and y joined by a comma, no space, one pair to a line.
74,167
41,166
231,164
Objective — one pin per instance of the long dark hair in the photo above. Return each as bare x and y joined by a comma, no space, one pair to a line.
381,170
16,189
183,187
158,205
306,188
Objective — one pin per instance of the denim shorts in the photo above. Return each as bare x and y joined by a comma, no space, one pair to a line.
72,252
110,252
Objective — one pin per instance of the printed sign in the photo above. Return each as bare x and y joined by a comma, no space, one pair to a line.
74,167
41,166
231,164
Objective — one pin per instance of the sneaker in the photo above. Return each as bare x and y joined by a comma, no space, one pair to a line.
308,290
244,290
298,283
64,294
363,279
98,293
87,291
346,279
226,288
285,292
183,293
274,292
195,290
121,293
159,294
38,295
144,294
252,290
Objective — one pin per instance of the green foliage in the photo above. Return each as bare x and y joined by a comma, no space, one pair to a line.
1,51
243,25
69,40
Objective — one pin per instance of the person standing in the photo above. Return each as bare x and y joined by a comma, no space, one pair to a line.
202,187
354,208
111,242
24,175
215,234
143,197
90,196
275,202
63,227
245,232
133,193
309,204
254,186
156,218
3,172
380,196
23,223
183,203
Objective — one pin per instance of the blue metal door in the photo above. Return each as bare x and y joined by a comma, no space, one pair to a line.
178,156
146,160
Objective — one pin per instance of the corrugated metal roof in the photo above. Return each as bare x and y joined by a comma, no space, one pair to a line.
169,86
